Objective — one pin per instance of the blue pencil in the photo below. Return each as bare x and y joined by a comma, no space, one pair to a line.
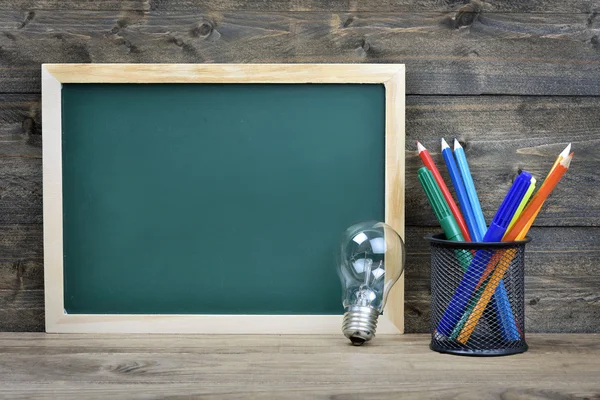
500,302
466,287
465,172
461,192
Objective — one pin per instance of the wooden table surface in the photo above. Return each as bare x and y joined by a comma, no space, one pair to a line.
36,365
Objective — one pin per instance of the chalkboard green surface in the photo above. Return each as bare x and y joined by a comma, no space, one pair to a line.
215,199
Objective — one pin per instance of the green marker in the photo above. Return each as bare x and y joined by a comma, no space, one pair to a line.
444,215
439,205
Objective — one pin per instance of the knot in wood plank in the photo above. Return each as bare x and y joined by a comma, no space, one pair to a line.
30,127
28,18
363,48
204,29
595,42
132,367
467,15
464,17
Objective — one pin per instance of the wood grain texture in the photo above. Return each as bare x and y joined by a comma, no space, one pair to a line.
561,282
561,289
519,132
395,185
555,6
289,367
20,160
21,278
53,213
450,47
503,134
226,73
467,52
500,135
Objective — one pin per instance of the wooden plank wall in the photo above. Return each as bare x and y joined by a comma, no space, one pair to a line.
513,80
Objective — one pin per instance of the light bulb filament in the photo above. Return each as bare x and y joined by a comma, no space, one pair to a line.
368,264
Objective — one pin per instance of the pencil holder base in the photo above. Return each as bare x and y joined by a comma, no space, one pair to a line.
477,297
522,348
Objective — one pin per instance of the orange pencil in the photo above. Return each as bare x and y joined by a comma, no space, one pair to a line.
563,154
539,198
428,162
518,232
490,267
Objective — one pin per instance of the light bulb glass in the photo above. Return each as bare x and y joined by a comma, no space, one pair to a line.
370,262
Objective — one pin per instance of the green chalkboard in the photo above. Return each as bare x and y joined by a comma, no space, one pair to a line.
215,198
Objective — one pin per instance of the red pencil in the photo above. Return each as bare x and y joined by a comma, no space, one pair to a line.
428,162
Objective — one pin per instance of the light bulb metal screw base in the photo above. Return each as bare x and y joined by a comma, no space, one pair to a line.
360,324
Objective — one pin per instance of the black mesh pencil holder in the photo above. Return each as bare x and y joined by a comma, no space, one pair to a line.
477,297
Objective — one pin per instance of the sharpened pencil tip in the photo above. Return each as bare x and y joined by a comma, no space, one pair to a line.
444,144
420,147
457,144
566,151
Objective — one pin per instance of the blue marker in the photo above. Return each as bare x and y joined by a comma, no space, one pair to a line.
466,287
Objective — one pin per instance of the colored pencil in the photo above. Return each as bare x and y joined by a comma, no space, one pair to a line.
499,255
465,172
496,257
518,232
466,287
428,162
539,198
461,192
510,330
501,305
563,154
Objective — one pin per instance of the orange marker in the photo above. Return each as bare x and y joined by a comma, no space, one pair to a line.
428,162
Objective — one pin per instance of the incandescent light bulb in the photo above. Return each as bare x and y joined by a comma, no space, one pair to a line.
370,262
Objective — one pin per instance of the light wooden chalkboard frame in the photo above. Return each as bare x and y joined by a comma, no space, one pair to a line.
54,75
